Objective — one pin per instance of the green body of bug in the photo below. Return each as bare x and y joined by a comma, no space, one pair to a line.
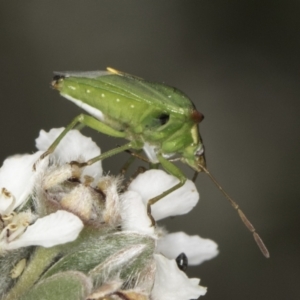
154,117
159,118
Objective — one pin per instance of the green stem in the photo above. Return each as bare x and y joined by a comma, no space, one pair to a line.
41,259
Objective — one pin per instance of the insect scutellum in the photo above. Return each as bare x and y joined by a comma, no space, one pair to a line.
153,117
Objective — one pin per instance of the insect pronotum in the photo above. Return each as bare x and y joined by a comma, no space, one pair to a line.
153,117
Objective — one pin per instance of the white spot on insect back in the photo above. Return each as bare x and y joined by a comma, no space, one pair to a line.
118,100
91,110
169,96
72,87
102,95
88,91
132,106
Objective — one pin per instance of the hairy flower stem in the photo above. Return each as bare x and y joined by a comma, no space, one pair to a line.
39,262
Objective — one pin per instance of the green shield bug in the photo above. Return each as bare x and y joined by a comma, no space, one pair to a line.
153,117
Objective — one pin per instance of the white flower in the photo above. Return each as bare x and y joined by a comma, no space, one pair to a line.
17,179
150,184
83,195
57,228
194,247
134,214
171,283
73,147
154,182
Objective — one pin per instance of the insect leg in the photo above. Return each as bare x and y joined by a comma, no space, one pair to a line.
84,120
134,155
173,170
137,155
128,163
106,154
138,171
145,159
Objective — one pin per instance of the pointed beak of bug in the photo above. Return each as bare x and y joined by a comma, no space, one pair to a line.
201,162
196,161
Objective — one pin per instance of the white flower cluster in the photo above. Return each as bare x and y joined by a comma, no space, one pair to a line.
59,203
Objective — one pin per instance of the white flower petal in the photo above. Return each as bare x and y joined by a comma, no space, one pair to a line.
57,228
73,147
7,201
195,248
17,177
171,283
134,214
154,182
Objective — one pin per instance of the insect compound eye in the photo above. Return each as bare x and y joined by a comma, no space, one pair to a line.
163,119
197,116
182,261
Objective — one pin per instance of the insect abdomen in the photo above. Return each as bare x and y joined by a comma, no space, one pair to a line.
118,110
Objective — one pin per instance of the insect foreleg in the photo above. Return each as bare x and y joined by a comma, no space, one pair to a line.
84,120
173,170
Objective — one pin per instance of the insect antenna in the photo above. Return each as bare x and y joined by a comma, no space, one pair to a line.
243,217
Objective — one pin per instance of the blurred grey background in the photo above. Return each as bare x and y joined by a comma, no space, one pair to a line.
237,60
